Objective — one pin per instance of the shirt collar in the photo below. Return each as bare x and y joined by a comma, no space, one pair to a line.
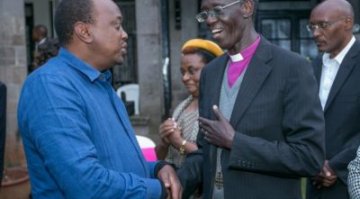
236,58
42,41
246,53
340,57
85,68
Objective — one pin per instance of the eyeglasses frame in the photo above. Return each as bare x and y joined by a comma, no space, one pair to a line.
212,13
323,25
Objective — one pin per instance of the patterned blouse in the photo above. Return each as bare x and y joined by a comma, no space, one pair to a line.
354,177
188,122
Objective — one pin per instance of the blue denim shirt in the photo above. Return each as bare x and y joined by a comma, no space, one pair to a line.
78,139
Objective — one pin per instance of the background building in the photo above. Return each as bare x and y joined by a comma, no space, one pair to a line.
157,29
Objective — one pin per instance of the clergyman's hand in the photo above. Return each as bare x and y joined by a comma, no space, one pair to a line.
330,176
171,182
326,178
218,132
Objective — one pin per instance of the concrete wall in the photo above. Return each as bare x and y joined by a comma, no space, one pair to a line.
189,30
42,13
149,61
12,71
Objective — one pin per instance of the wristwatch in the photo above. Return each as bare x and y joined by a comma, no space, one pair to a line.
182,147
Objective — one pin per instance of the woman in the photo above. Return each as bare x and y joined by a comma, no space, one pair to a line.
178,133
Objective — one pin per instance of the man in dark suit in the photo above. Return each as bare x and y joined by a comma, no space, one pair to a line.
261,122
2,126
45,47
337,70
39,35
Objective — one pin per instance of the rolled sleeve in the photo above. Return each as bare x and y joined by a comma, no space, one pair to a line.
152,166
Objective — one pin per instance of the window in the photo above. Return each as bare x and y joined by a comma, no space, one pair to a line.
278,31
307,45
288,30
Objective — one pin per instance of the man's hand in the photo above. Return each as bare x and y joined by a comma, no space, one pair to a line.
171,182
326,177
218,132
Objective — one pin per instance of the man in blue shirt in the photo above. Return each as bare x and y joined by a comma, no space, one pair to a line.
78,139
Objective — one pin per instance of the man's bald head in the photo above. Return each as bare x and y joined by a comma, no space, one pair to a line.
342,8
331,23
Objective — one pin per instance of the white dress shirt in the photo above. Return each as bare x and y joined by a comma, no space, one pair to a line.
329,70
39,43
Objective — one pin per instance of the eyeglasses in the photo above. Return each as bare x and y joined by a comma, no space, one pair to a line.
215,12
321,25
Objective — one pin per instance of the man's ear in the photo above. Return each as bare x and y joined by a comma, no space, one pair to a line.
82,32
247,9
349,23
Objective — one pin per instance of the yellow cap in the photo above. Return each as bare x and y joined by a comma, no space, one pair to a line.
206,45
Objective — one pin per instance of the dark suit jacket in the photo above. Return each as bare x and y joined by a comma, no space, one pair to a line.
342,119
2,126
279,129
46,50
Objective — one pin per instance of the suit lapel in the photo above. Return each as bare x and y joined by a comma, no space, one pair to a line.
255,76
217,81
215,70
344,71
317,66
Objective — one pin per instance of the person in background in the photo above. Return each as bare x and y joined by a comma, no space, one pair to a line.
337,70
46,51
45,47
354,177
178,133
77,136
40,37
261,123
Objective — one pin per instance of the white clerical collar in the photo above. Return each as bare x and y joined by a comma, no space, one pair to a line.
236,58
